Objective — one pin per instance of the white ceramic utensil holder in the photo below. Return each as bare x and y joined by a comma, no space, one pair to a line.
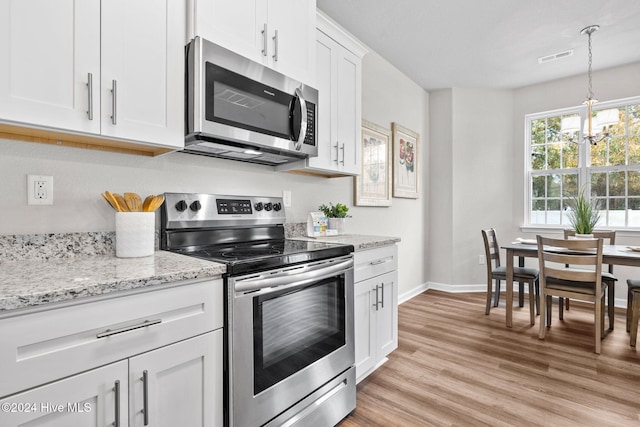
135,234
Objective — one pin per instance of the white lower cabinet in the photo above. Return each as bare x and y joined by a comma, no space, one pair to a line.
147,359
94,398
178,385
376,308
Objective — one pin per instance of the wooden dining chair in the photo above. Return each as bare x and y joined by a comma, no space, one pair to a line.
609,238
635,313
583,282
497,273
632,284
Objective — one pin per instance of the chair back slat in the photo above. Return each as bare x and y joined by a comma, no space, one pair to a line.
571,274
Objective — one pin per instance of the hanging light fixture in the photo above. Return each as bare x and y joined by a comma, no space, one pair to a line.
591,128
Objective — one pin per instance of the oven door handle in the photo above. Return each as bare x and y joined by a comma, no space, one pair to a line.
290,277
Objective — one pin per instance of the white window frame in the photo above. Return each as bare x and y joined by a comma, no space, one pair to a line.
584,168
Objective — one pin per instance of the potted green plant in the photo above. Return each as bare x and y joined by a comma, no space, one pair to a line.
584,214
336,215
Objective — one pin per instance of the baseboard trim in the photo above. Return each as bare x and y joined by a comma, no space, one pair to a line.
455,289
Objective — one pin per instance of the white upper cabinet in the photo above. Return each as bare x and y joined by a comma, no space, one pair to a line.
277,33
110,69
50,51
143,70
339,84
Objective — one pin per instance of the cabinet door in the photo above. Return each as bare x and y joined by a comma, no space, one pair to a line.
183,384
348,104
143,70
364,327
326,76
292,52
387,314
48,49
236,25
88,399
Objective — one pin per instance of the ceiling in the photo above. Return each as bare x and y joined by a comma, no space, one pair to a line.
491,43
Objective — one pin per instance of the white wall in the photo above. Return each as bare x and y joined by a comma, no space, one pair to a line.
471,133
81,175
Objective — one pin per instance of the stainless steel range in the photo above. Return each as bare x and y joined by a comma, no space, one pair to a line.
289,313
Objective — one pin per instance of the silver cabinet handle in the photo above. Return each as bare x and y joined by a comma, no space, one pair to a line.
376,304
144,324
264,40
342,148
114,101
275,46
90,87
145,396
382,292
378,261
116,389
337,152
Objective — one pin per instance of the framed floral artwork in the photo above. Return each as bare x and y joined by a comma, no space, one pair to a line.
405,162
373,185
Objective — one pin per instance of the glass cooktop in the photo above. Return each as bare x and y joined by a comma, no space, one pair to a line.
250,257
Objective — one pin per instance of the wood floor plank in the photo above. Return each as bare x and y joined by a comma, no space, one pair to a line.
456,366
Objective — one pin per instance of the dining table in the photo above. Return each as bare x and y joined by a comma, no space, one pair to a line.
611,254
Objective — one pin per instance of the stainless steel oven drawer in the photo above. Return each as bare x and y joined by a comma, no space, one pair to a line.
325,406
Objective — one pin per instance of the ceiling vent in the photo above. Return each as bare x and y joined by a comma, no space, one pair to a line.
555,56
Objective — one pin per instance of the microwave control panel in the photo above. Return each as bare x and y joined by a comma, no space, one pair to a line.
310,137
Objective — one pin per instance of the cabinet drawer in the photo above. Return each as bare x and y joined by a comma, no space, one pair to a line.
48,345
374,262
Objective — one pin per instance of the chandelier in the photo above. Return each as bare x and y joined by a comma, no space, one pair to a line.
594,127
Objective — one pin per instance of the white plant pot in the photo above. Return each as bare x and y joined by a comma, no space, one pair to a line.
584,236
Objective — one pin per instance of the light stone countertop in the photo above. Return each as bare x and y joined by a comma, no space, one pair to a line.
360,242
39,269
34,282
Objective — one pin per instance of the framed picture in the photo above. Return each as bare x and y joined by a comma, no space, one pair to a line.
373,185
405,162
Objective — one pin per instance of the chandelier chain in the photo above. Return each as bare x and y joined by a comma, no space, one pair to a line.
590,94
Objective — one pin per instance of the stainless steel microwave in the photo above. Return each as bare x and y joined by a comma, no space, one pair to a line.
241,110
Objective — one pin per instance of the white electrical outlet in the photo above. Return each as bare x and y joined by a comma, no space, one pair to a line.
482,259
39,190
286,198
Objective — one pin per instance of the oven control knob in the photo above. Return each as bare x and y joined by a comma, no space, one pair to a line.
258,206
181,206
195,206
268,206
277,207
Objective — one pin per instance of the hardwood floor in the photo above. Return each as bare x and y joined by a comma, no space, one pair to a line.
457,366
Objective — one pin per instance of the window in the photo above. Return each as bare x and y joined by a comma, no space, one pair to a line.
559,164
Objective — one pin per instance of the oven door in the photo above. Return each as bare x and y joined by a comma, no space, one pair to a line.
291,333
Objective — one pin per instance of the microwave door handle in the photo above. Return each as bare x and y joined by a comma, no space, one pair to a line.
303,119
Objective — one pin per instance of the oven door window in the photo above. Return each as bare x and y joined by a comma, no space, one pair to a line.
294,328
238,101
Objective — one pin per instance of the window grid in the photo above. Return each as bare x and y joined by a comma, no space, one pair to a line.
557,168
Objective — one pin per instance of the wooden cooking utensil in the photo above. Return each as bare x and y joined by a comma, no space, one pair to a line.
147,202
156,202
133,201
122,204
104,196
115,202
